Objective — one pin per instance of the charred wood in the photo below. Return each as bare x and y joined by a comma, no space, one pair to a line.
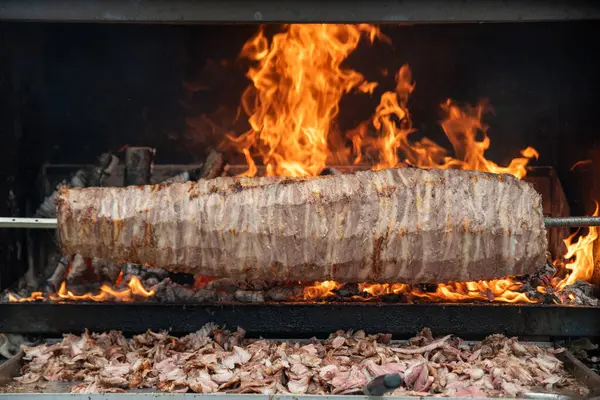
90,176
213,166
249,296
330,171
138,165
93,175
59,274
189,175
77,268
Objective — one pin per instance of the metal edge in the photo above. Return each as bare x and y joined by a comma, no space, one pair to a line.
581,372
296,320
260,11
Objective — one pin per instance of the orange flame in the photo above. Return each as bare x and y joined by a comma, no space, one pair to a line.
581,254
320,290
499,290
134,291
294,98
297,84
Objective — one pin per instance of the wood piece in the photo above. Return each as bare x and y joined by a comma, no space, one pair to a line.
84,177
59,274
185,176
138,165
213,166
330,171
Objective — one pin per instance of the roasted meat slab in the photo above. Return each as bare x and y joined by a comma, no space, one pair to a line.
395,225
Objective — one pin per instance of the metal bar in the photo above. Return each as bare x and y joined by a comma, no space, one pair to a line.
33,223
581,372
286,320
260,11
571,222
51,223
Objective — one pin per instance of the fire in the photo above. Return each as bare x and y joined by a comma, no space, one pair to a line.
499,290
320,290
581,254
134,291
298,82
294,98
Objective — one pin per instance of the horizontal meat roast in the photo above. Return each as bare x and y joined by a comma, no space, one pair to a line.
396,225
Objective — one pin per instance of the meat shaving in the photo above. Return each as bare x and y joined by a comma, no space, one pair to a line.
216,360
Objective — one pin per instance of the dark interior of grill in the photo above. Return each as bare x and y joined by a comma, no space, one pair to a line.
72,91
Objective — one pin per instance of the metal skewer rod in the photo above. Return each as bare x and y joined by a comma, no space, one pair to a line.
571,222
35,223
50,223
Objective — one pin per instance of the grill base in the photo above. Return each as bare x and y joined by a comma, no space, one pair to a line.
304,320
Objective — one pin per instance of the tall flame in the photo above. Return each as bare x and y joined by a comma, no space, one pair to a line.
581,256
294,98
293,101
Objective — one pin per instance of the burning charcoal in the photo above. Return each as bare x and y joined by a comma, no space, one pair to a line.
249,296
280,294
159,288
330,171
150,282
59,274
106,269
543,277
586,288
173,292
182,278
133,270
427,287
77,269
580,292
204,295
225,284
189,175
348,290
157,273
225,297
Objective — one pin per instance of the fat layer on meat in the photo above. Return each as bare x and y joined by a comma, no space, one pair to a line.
396,225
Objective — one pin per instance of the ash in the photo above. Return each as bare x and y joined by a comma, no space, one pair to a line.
216,360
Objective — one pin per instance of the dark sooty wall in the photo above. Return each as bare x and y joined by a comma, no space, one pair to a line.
71,91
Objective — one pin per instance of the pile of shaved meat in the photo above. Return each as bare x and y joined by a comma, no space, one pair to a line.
215,360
